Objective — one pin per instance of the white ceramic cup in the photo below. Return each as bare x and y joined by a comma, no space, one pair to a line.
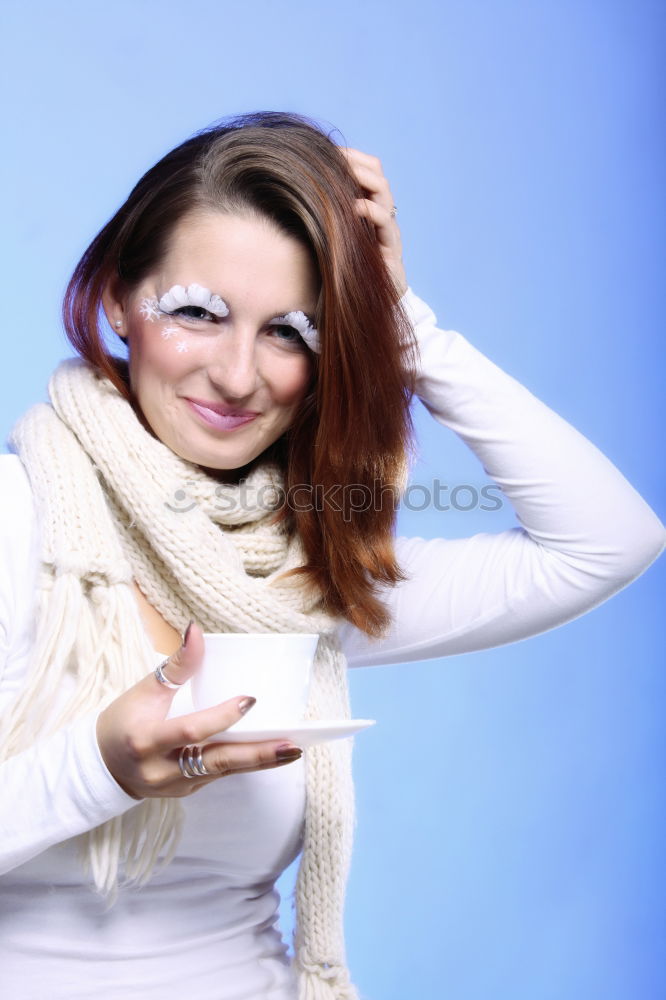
271,667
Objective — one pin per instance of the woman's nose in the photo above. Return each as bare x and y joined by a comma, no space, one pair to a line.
233,367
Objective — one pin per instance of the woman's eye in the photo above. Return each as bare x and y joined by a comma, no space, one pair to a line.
287,333
192,312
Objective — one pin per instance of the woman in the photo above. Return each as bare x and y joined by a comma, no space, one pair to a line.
255,276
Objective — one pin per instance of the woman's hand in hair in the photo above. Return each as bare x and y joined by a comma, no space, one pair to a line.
378,206
141,747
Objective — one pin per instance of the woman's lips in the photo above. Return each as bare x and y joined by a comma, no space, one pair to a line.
220,417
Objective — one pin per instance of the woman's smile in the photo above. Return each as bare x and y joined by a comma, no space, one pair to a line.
220,417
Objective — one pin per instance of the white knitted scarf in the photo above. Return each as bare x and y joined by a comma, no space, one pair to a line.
107,497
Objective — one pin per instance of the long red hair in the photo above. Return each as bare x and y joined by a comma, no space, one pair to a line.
350,442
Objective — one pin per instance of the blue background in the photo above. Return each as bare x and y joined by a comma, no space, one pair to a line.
511,838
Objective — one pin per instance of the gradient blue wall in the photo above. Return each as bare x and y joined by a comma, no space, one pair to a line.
511,805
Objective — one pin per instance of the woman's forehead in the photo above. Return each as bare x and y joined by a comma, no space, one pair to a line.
239,256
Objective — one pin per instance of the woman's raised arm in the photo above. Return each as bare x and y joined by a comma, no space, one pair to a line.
585,532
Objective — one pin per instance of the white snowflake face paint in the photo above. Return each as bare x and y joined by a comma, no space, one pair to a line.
149,308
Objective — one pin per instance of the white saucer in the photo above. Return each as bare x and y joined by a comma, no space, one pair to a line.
304,734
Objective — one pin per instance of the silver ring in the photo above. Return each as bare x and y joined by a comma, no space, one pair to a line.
183,765
191,762
162,677
199,765
394,211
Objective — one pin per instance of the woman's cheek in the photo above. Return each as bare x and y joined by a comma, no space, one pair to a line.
163,334
171,339
154,364
301,377
167,343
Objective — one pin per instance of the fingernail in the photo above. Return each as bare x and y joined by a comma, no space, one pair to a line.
288,752
246,704
187,632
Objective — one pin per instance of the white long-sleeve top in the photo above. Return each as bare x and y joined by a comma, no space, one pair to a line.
206,926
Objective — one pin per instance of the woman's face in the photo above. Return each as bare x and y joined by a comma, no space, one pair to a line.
216,375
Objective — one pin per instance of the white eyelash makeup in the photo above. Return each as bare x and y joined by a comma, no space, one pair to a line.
196,295
193,295
300,322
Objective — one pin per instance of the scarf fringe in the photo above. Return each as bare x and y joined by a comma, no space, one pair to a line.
317,981
139,843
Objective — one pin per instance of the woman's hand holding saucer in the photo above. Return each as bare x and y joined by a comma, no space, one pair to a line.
151,756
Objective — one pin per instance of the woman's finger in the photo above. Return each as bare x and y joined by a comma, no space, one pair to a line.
370,175
367,159
387,233
197,727
376,186
379,209
160,686
388,237
222,760
182,664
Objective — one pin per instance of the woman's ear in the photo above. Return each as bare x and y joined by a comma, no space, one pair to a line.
114,300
